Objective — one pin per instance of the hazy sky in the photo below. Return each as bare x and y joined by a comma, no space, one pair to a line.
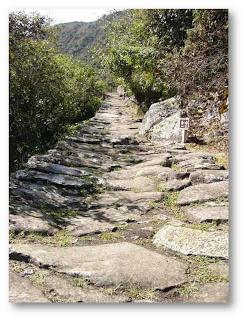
69,15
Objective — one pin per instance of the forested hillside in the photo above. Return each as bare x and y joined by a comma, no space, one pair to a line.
78,38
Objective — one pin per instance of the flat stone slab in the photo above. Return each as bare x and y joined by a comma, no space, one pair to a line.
192,241
45,195
80,226
126,197
150,171
193,155
167,174
203,193
64,290
158,159
143,184
22,290
56,179
56,168
175,185
212,293
208,176
108,264
23,218
207,214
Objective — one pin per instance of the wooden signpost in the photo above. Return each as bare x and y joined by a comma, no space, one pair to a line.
184,124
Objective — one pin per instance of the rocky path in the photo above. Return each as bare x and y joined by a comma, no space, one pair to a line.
108,216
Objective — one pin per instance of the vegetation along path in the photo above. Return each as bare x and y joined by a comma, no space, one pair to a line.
109,216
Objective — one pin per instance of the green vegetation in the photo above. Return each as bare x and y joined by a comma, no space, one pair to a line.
137,293
161,52
80,282
38,278
48,91
109,236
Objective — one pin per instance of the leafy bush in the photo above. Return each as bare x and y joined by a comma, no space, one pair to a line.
48,91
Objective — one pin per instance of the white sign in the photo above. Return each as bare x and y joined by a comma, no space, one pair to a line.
184,123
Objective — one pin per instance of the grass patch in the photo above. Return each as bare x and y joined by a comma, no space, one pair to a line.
203,274
63,238
58,213
80,282
38,278
175,167
86,238
170,199
109,236
222,160
189,289
203,226
143,241
137,293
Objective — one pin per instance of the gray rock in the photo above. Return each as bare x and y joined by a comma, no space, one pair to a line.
193,155
46,195
128,197
168,174
193,241
56,179
168,129
79,226
208,176
23,218
158,112
151,171
56,168
203,192
64,290
175,185
21,290
212,293
138,184
207,214
109,264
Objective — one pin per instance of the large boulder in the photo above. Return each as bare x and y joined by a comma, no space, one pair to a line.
161,121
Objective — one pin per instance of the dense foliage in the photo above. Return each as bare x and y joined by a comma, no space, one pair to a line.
48,91
161,52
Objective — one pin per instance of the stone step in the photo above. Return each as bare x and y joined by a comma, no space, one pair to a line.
193,241
107,265
42,195
56,179
204,192
207,214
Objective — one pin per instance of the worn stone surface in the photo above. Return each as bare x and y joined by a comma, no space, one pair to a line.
80,226
23,218
175,185
167,174
203,192
64,290
105,178
208,176
56,179
151,171
21,290
212,293
109,264
125,197
138,184
45,195
207,214
193,241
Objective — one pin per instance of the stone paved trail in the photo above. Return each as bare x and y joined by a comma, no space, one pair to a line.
108,216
